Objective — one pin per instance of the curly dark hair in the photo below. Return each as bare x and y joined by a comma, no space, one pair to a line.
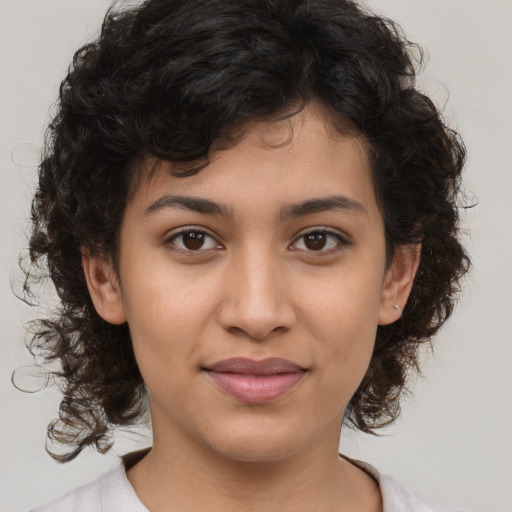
167,79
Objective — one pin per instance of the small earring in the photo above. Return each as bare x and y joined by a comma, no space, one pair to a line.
396,307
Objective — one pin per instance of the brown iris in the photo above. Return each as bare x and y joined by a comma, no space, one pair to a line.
193,240
315,241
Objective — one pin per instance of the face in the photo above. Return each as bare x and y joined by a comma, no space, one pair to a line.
254,288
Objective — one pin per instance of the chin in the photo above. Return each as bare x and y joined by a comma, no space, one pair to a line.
258,445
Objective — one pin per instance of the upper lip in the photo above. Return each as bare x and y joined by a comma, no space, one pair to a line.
242,365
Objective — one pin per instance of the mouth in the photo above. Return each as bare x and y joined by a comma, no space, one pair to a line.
255,382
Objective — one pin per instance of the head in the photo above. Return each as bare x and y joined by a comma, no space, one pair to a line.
170,92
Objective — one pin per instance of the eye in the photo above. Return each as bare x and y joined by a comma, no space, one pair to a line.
193,240
319,241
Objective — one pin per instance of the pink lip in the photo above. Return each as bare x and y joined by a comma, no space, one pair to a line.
255,382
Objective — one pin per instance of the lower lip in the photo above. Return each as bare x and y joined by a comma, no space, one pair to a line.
256,389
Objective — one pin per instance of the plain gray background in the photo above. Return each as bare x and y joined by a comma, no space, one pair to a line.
454,440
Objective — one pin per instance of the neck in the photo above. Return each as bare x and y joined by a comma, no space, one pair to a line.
168,478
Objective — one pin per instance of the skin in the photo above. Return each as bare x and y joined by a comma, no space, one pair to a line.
255,289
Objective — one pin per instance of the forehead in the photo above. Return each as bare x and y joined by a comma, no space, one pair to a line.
276,161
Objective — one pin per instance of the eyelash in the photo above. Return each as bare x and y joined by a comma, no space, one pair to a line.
341,241
340,244
171,240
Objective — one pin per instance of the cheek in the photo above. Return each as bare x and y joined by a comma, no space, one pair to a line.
166,314
347,339
343,354
345,304
342,318
158,294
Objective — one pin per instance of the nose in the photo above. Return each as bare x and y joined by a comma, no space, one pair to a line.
256,301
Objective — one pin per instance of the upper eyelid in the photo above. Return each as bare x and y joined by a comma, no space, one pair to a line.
323,229
320,229
186,229
341,242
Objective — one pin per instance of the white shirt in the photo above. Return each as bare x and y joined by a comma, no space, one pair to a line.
112,492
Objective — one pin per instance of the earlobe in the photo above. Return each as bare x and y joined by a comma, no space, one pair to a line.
103,286
398,282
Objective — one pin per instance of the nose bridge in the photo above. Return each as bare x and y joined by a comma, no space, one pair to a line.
256,299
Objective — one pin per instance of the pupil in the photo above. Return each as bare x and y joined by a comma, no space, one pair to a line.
315,241
193,240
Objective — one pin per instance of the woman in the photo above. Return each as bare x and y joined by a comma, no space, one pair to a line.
249,214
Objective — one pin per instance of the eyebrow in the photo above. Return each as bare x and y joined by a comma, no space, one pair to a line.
322,204
208,207
195,204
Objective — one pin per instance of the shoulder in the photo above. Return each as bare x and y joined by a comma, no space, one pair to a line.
400,499
85,498
112,492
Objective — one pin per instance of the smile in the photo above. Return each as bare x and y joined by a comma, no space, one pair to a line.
255,382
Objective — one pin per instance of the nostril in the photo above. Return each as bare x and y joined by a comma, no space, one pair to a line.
257,334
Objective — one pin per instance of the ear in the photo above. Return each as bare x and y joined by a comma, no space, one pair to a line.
398,282
103,286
